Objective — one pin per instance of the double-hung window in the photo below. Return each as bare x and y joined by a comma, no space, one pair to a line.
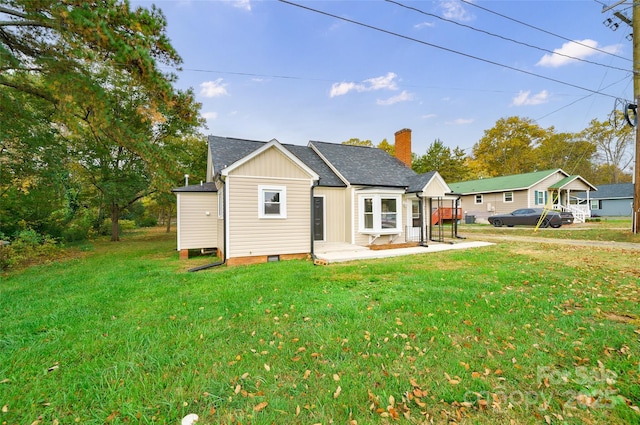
380,213
508,197
541,197
272,202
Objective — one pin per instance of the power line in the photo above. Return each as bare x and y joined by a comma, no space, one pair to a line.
395,34
543,30
501,36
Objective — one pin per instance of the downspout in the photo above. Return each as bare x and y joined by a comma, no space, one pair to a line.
313,255
224,238
421,207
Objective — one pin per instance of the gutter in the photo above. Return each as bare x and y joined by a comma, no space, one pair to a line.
313,255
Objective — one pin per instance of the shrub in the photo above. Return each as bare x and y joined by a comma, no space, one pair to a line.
28,247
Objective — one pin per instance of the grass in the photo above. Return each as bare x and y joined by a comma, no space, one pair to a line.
512,333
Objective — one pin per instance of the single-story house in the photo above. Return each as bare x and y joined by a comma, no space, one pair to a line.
611,200
266,201
554,189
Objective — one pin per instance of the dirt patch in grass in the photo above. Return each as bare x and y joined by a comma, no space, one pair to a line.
620,318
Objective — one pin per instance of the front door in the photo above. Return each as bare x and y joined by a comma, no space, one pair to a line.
318,218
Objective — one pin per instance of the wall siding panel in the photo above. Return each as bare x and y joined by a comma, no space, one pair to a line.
198,230
254,236
337,215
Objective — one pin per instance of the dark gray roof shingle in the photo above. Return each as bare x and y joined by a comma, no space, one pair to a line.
203,187
611,191
225,151
361,165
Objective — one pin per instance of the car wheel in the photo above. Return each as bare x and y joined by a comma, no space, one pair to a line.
497,223
555,226
545,223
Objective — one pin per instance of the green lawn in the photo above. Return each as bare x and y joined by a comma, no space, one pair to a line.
529,333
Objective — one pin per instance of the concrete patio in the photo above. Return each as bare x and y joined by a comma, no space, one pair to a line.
334,252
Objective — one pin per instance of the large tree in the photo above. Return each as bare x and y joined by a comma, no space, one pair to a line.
451,164
96,64
614,149
508,147
568,151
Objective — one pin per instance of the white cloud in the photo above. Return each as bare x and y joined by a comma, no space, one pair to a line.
428,116
213,88
402,97
338,89
461,121
579,49
524,98
209,115
242,4
377,83
453,9
424,25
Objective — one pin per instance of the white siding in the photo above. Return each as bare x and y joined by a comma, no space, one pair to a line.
254,236
196,229
337,216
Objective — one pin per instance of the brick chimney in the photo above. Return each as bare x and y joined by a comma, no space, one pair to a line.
403,146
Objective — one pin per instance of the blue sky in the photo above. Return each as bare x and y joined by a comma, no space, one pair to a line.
446,69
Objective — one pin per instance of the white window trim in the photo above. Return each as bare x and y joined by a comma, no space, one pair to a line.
283,201
475,199
504,197
377,214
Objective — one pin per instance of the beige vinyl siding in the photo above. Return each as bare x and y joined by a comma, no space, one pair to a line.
253,236
337,216
196,228
272,163
493,203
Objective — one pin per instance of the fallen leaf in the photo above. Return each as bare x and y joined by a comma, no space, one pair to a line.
5,408
267,367
337,393
336,377
306,375
260,406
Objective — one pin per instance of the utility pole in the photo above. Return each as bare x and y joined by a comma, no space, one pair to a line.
634,23
635,214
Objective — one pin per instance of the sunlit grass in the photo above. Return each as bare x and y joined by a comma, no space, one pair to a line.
511,332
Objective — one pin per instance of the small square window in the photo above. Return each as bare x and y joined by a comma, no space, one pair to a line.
508,197
478,199
272,202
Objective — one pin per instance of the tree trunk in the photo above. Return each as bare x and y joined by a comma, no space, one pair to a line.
169,214
115,228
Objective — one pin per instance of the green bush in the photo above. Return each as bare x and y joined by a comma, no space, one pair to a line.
27,247
146,221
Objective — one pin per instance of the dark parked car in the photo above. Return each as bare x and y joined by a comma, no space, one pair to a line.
527,217
567,217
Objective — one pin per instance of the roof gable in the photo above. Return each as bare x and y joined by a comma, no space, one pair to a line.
503,183
273,144
570,179
226,151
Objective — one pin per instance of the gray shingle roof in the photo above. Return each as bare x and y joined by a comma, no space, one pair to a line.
359,165
611,191
203,187
419,181
362,165
225,151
